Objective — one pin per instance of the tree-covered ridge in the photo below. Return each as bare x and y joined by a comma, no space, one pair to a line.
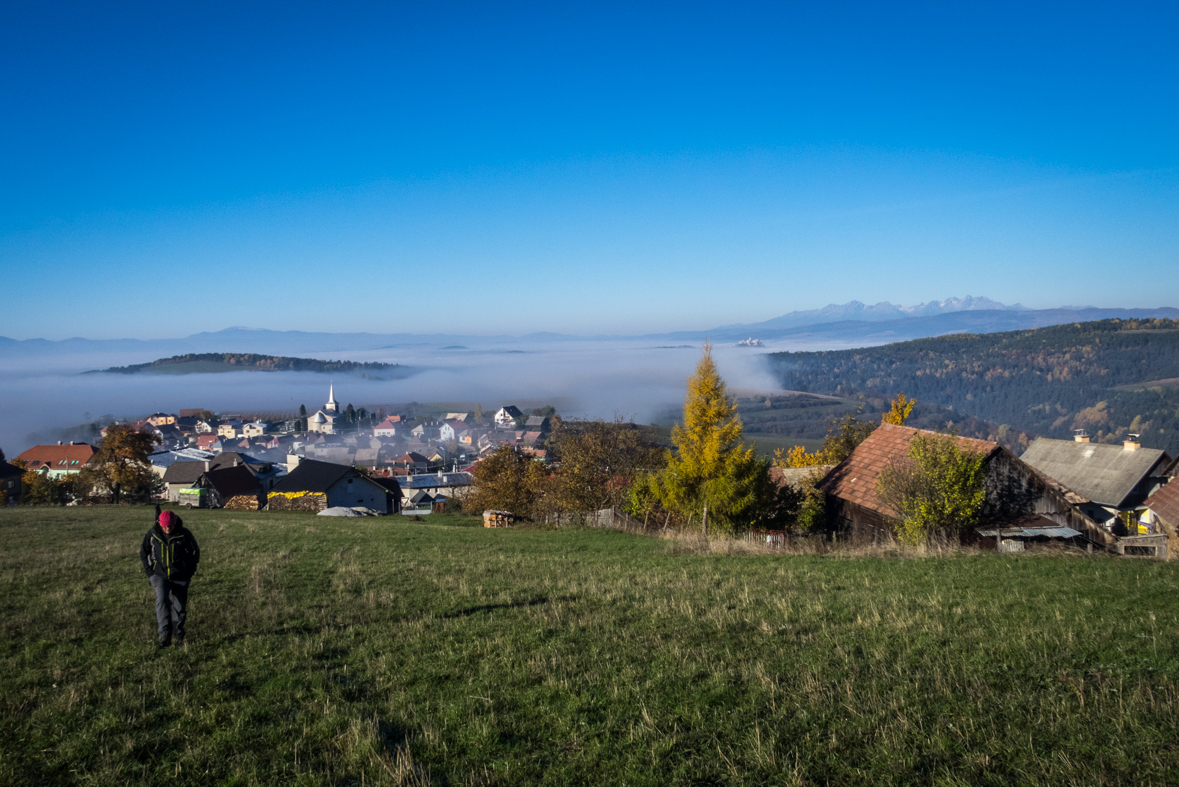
251,362
1110,377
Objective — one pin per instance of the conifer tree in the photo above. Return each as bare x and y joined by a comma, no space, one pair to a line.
711,469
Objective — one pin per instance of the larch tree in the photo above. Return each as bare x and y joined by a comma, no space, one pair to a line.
712,474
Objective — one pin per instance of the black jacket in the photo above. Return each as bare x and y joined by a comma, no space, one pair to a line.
172,556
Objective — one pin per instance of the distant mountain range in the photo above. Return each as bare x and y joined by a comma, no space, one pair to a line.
880,312
847,325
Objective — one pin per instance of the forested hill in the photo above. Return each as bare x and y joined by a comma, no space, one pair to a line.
1109,377
194,363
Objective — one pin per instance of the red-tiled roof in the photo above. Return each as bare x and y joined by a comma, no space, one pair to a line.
854,480
58,457
1165,502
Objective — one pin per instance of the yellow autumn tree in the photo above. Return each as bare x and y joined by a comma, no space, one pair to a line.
712,475
902,406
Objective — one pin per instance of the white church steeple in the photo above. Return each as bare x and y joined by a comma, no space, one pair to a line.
332,404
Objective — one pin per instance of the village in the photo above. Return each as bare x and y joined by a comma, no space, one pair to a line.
1120,498
331,458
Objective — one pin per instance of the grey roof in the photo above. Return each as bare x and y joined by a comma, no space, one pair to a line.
366,456
312,476
434,479
1105,474
183,472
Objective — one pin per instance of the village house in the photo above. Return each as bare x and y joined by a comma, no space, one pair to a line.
1015,492
229,429
184,474
1108,482
255,429
426,489
387,428
505,417
413,462
58,460
161,419
537,423
450,430
10,487
314,486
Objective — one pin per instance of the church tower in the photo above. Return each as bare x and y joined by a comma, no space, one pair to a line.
332,405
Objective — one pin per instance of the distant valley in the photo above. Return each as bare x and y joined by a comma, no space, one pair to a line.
1110,378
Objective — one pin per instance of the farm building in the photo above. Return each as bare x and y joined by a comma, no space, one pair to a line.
236,487
314,486
1108,482
1013,489
436,486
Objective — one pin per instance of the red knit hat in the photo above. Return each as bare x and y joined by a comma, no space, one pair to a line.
168,519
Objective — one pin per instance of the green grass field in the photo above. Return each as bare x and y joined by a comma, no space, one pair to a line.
388,651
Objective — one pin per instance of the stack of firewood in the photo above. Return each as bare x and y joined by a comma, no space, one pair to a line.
242,503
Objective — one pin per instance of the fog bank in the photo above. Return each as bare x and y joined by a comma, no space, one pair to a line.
585,379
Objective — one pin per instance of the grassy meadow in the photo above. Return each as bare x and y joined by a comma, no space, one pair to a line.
388,651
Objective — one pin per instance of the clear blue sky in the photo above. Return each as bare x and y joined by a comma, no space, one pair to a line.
170,168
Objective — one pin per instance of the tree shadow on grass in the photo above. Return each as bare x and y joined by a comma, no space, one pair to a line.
528,602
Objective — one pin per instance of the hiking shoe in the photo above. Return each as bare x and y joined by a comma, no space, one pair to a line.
163,643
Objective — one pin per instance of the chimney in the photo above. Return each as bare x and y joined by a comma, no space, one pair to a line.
1081,436
206,465
59,442
1131,443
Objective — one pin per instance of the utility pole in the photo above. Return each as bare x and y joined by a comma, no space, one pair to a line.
704,521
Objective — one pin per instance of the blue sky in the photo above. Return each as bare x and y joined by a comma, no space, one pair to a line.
489,168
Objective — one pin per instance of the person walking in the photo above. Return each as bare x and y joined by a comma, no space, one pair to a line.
170,556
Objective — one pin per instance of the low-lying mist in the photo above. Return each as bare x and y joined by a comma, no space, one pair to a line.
585,379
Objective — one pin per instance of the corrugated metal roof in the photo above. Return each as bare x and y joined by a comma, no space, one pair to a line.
434,479
1031,532
1105,474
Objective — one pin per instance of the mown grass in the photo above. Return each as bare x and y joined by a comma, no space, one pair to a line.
387,651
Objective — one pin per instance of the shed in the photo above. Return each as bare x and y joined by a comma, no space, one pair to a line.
1013,489
315,485
1162,514
236,487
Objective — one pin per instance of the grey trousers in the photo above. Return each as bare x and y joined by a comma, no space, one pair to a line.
171,607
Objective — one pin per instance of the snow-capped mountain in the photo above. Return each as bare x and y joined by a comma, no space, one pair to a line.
856,310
